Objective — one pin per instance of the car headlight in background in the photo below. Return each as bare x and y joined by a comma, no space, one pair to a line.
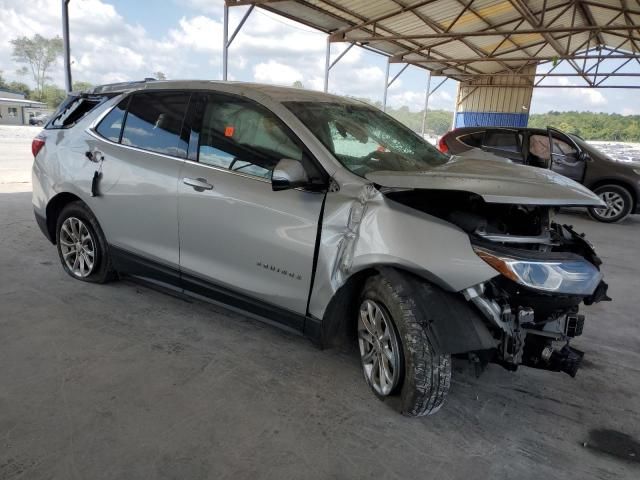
571,276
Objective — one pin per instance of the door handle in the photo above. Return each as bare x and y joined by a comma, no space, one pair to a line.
198,184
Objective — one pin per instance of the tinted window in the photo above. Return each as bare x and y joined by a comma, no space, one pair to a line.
111,125
503,140
154,122
473,139
240,135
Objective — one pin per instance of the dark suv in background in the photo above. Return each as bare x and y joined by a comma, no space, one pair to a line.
616,183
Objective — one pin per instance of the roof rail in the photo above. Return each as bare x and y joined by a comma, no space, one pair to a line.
120,86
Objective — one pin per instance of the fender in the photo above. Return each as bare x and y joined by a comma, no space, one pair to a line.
362,229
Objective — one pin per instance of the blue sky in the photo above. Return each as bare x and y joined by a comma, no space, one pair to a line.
115,40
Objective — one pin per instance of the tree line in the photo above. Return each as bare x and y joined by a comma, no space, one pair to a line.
588,125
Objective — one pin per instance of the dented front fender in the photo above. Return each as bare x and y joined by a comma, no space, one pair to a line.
363,229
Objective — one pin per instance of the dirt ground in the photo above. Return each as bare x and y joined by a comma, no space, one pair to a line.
121,381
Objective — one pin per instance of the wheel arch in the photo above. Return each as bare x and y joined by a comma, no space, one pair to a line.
619,183
54,207
463,331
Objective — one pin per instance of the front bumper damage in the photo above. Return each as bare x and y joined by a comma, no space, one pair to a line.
535,328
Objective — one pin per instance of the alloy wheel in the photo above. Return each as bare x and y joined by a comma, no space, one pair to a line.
615,205
77,247
379,348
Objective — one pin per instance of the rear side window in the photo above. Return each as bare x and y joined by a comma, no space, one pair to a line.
508,141
73,109
111,125
472,139
154,122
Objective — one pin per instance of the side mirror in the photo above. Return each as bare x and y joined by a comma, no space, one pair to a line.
583,156
288,174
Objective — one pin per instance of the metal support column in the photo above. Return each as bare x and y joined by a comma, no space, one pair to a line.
66,52
426,100
226,41
328,66
426,103
388,83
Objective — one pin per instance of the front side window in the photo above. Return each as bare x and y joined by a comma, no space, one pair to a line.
13,112
154,122
364,139
560,147
111,125
239,135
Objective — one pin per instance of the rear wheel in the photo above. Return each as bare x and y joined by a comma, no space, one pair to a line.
619,204
397,357
82,247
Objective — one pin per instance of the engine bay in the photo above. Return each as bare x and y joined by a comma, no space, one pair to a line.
528,323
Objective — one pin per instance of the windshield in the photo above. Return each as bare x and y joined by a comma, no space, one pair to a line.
364,139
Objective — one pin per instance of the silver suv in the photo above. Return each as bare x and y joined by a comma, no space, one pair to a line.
324,215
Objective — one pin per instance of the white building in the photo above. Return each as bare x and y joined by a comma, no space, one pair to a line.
16,110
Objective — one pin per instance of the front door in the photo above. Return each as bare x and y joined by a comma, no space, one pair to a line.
565,156
236,233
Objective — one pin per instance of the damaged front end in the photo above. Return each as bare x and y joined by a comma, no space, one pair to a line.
546,271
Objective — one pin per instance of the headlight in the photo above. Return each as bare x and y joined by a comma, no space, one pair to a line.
571,276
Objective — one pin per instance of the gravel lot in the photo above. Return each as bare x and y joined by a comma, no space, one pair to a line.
121,381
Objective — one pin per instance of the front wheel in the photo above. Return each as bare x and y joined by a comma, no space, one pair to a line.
396,353
619,204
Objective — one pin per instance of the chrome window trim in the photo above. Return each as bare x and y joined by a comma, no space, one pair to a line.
91,131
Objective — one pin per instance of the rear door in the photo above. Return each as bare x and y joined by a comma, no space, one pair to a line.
240,240
565,156
143,146
503,142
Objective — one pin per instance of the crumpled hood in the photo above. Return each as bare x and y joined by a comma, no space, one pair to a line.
495,182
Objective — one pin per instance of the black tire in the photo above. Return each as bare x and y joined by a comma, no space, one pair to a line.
604,215
425,377
101,271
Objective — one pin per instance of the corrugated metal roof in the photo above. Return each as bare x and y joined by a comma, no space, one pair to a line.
456,37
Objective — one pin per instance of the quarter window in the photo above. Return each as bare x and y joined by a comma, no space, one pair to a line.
154,122
111,125
503,140
242,136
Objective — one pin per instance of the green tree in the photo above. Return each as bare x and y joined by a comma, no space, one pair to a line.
20,87
14,86
53,96
297,84
81,86
38,53
159,75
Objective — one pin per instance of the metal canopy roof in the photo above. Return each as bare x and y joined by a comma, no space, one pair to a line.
460,39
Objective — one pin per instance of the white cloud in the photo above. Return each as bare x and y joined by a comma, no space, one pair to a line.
274,72
108,47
